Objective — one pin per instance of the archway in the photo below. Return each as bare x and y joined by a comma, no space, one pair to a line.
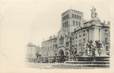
61,56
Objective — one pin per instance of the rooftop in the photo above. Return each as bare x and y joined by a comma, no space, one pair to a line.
72,10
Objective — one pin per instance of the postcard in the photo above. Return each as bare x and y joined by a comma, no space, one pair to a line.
56,36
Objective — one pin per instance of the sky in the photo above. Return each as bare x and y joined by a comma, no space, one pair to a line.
24,21
47,16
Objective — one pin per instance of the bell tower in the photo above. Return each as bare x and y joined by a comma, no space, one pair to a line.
71,19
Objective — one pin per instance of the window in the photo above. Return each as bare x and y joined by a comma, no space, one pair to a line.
76,37
67,44
84,40
83,34
65,24
65,17
73,23
79,23
76,23
79,44
107,49
78,17
106,30
61,40
74,16
108,53
106,40
56,46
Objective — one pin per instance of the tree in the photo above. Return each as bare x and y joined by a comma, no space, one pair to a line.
98,46
75,54
91,48
38,56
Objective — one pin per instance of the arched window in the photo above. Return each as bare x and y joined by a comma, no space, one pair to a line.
61,40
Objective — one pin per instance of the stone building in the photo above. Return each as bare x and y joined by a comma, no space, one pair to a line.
78,38
93,30
33,53
49,49
93,33
71,20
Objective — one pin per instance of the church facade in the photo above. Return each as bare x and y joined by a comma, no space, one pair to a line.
78,38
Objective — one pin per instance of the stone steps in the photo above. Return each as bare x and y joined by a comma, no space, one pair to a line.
89,63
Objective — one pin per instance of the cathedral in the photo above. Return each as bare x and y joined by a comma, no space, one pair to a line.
78,39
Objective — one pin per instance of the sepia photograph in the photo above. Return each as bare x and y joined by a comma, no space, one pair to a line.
78,43
56,36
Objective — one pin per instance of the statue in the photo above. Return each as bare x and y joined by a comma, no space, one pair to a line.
93,13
